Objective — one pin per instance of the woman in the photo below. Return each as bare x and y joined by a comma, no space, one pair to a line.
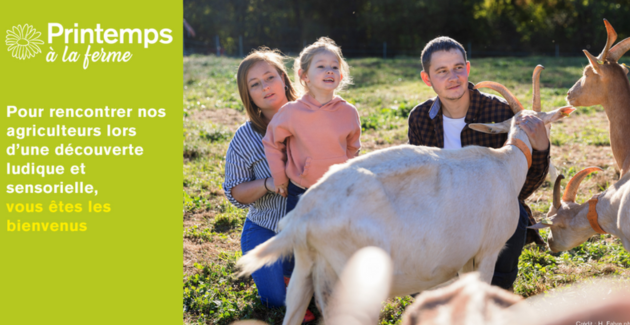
264,86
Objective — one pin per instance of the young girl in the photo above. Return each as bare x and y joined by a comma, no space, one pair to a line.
320,129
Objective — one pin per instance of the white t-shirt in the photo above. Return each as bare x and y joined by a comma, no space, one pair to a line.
452,132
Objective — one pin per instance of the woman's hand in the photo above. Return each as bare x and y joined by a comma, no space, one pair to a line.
282,190
249,192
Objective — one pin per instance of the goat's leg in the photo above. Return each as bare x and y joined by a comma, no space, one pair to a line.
324,279
485,266
300,288
468,267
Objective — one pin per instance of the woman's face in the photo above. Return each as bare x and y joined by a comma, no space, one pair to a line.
266,86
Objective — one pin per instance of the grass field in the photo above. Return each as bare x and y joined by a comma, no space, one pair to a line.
384,92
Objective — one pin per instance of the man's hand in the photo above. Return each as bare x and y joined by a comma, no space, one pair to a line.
535,129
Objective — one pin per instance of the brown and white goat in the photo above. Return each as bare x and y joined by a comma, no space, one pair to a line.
571,226
434,211
605,83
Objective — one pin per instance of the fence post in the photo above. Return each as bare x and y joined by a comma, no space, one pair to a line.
240,46
384,50
216,39
557,50
469,50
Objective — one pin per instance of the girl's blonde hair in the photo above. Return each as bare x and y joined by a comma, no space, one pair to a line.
276,60
303,62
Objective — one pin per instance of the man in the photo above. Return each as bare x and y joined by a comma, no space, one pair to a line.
443,122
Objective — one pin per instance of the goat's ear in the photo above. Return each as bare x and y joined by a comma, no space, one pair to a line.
492,128
557,114
539,226
594,61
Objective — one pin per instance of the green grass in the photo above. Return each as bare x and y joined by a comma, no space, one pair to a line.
384,92
540,271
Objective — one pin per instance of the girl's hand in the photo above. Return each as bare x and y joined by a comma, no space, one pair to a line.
282,190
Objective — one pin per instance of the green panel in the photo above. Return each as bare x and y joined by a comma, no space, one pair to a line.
121,266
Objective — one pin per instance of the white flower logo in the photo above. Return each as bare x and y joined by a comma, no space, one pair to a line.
22,41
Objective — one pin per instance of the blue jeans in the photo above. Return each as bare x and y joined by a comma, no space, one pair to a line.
506,268
294,194
269,279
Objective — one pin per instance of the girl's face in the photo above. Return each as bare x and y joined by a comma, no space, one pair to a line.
324,72
266,86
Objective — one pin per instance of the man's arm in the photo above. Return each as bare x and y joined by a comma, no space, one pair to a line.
414,128
537,134
536,174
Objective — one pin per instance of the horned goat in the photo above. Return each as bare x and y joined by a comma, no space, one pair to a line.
434,211
605,82
570,226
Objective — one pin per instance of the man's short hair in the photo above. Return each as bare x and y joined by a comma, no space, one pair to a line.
442,43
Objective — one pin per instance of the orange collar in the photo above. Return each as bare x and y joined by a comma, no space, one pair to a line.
592,214
521,145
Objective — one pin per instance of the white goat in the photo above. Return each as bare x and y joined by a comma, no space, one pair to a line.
571,226
435,212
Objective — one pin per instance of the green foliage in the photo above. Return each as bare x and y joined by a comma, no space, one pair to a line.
361,27
199,136
210,83
588,135
595,136
201,235
229,217
215,294
540,270
387,118
392,311
195,203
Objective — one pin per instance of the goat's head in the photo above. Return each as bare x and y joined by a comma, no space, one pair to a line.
467,301
509,126
602,75
567,230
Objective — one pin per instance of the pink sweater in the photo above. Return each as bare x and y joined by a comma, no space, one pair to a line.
317,137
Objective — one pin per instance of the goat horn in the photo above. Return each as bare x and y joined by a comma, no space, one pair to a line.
511,99
536,88
619,50
556,191
571,191
612,36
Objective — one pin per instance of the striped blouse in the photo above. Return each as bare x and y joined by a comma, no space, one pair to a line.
245,162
